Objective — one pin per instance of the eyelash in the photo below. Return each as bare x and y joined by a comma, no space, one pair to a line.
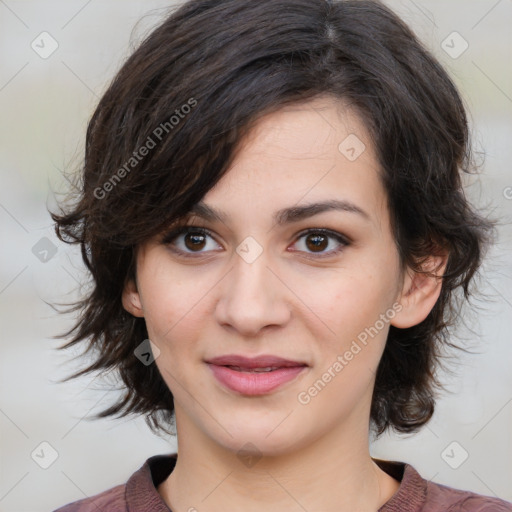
187,229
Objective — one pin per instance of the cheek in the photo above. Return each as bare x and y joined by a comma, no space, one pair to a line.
174,322
351,303
173,307
348,359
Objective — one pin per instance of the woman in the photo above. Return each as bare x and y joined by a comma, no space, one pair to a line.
273,217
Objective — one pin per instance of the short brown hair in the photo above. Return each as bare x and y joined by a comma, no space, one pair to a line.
229,62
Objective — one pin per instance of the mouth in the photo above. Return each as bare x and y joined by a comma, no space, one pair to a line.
254,376
253,370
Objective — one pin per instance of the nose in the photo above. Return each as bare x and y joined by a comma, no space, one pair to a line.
252,298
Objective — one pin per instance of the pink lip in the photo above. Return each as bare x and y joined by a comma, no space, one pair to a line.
246,382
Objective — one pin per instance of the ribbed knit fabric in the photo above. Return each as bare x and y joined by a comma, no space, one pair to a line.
415,494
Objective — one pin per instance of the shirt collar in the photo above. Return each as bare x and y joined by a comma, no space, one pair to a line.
412,493
141,489
142,494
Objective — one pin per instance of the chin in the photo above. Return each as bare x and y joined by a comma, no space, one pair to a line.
260,438
258,446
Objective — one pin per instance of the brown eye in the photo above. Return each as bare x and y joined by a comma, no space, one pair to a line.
195,241
317,242
190,240
321,243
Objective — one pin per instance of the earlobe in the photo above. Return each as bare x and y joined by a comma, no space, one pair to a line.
131,299
420,292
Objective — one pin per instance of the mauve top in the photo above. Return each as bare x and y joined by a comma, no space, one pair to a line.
415,494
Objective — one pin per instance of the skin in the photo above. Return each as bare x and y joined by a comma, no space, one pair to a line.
288,302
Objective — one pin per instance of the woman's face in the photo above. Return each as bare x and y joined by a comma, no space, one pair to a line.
282,273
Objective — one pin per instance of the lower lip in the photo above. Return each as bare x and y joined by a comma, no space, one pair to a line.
255,383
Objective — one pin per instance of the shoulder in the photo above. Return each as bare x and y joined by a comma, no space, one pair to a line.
112,500
417,494
138,493
455,500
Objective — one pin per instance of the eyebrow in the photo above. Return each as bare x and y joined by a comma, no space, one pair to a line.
285,215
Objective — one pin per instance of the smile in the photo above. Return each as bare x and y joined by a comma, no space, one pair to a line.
254,376
268,369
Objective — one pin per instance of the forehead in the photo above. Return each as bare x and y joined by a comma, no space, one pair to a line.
312,151
307,129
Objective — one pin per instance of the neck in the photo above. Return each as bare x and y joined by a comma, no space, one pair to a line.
335,473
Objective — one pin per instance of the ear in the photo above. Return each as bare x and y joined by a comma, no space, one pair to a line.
131,299
420,292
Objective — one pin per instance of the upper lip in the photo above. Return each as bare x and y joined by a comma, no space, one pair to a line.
264,361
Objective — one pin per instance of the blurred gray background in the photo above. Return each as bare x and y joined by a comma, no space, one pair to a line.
56,58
